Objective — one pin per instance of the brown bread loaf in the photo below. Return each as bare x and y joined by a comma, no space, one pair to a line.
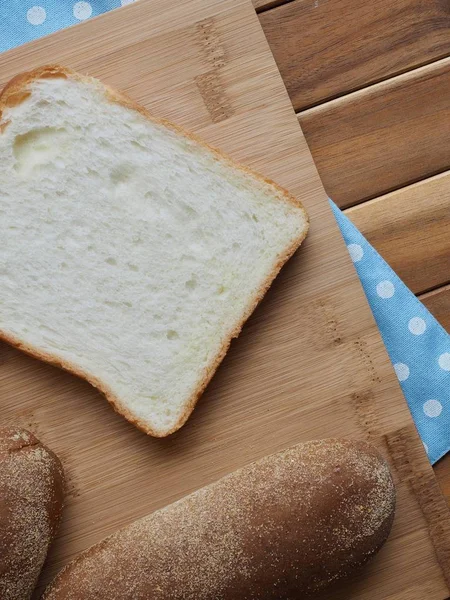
281,528
31,498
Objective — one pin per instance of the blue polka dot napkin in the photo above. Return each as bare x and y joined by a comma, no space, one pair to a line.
418,346
25,20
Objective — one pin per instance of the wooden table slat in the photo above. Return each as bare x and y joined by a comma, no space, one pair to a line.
438,303
325,48
384,137
410,228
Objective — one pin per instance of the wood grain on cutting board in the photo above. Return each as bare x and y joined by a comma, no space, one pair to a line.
308,364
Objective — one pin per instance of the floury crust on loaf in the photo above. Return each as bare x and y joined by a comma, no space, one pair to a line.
132,253
282,528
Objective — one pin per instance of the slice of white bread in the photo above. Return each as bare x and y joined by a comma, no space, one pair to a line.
132,253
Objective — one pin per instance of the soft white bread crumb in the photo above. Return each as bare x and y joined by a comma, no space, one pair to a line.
131,253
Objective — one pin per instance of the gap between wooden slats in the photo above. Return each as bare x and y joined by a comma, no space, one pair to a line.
262,5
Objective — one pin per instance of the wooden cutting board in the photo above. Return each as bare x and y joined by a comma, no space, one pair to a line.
309,363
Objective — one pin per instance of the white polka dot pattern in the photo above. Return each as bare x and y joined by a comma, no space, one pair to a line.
82,10
385,289
402,371
356,252
36,15
444,361
417,326
432,408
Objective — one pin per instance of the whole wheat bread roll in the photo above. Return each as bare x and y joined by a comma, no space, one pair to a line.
280,528
31,499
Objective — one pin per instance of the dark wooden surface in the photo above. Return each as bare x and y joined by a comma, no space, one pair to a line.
370,82
411,229
438,302
327,48
383,137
